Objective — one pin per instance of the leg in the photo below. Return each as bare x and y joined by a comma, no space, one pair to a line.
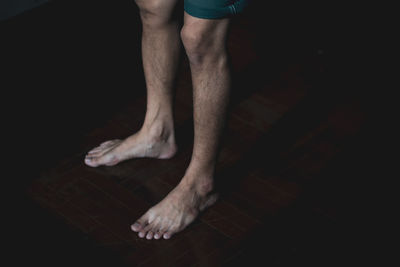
160,53
205,45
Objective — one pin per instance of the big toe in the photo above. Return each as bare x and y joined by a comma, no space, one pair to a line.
136,227
91,161
94,161
140,224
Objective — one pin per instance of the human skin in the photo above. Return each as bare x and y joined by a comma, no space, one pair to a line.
204,42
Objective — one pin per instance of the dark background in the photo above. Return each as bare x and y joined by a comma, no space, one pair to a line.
69,65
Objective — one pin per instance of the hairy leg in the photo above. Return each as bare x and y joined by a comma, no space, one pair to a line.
160,53
205,45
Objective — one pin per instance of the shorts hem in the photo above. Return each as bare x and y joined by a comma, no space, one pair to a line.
206,13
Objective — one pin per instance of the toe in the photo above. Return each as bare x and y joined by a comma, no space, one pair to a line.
98,148
142,234
102,149
143,231
97,152
140,224
107,159
136,227
159,234
90,161
149,235
167,235
97,160
157,230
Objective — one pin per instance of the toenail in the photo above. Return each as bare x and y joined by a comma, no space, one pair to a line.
141,234
135,226
156,236
166,236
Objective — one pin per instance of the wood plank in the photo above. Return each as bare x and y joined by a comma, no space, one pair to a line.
196,242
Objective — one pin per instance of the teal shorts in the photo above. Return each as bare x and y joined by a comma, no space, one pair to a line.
214,9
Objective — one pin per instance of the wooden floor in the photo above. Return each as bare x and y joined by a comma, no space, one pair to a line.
284,173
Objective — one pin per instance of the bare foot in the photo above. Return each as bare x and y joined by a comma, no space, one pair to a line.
175,212
154,143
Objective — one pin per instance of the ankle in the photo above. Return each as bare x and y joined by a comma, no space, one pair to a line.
202,183
159,131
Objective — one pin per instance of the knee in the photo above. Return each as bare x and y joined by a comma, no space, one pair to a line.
198,44
154,13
